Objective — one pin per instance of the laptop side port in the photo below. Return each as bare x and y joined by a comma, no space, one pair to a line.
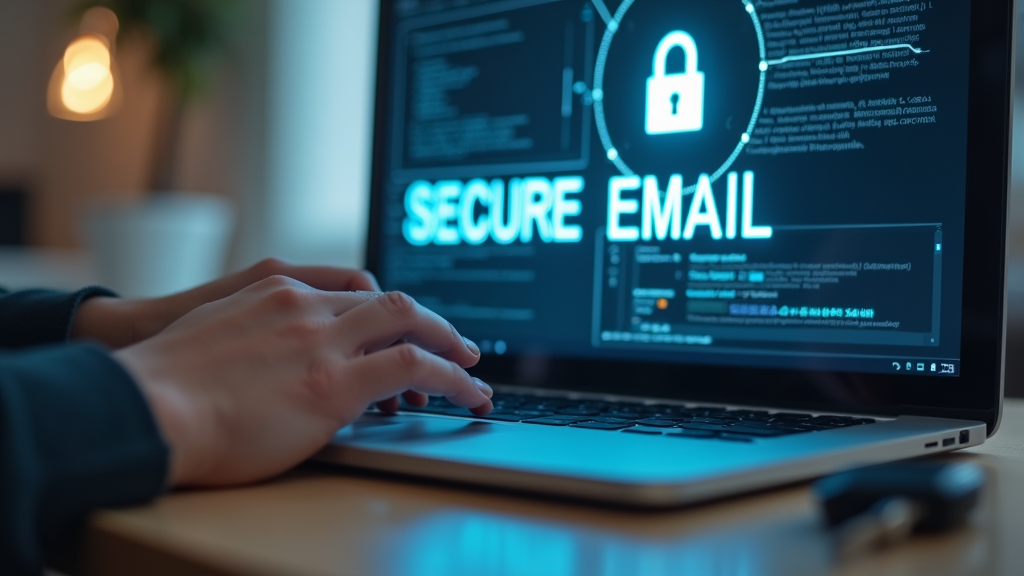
948,442
965,436
932,445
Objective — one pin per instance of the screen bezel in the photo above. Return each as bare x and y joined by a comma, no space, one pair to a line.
975,394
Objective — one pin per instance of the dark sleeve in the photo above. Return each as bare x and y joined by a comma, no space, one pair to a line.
36,317
76,434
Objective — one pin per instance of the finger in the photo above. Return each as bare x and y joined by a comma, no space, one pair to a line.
405,367
319,277
415,399
368,294
371,282
389,406
334,279
289,294
412,398
395,317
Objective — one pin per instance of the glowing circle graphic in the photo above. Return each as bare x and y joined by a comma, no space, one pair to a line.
598,94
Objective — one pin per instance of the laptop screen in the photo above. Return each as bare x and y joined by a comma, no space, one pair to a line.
773,183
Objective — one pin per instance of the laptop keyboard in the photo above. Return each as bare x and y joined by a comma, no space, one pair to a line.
653,419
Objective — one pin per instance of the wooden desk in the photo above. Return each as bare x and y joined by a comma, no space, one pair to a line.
315,523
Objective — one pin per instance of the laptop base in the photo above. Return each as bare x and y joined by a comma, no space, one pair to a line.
628,469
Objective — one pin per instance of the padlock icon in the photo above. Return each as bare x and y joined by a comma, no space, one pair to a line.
675,102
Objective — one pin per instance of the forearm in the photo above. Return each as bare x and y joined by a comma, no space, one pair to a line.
118,323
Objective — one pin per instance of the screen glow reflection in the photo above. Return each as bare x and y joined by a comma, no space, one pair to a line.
485,544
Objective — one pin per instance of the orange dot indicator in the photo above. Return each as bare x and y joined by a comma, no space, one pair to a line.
662,303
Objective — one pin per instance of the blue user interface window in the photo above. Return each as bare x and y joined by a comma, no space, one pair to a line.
771,183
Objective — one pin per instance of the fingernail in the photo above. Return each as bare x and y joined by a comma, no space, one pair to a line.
472,346
487,391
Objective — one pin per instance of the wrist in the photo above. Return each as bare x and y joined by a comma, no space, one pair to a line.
173,413
98,319
114,322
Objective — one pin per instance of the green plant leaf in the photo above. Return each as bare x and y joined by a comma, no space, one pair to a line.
190,35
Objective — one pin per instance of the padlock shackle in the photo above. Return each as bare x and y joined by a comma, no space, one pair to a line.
670,41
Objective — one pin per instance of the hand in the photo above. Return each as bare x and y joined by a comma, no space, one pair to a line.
248,386
118,323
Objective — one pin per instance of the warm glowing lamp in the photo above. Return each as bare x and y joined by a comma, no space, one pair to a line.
84,83
88,83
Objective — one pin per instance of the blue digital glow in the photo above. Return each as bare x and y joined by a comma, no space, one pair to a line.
467,543
565,207
619,206
474,230
482,542
449,212
703,211
516,207
658,218
448,193
506,216
832,54
661,212
419,227
599,116
749,230
675,102
730,201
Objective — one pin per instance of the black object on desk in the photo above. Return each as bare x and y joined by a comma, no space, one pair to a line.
880,505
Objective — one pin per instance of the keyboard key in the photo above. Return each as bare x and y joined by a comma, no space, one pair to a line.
657,423
790,416
541,407
681,433
832,420
781,427
627,415
554,420
601,425
813,427
718,421
502,417
579,411
606,420
864,421
748,414
721,414
735,438
751,431
701,426
527,414
644,430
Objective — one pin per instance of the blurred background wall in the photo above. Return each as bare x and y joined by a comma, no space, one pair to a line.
284,134
1015,270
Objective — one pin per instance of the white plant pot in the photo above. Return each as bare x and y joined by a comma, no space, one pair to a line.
168,243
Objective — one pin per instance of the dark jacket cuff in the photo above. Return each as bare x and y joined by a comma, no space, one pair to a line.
36,317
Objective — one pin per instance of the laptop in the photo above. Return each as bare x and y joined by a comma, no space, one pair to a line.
706,246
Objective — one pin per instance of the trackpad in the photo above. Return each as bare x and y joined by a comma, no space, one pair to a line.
401,428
